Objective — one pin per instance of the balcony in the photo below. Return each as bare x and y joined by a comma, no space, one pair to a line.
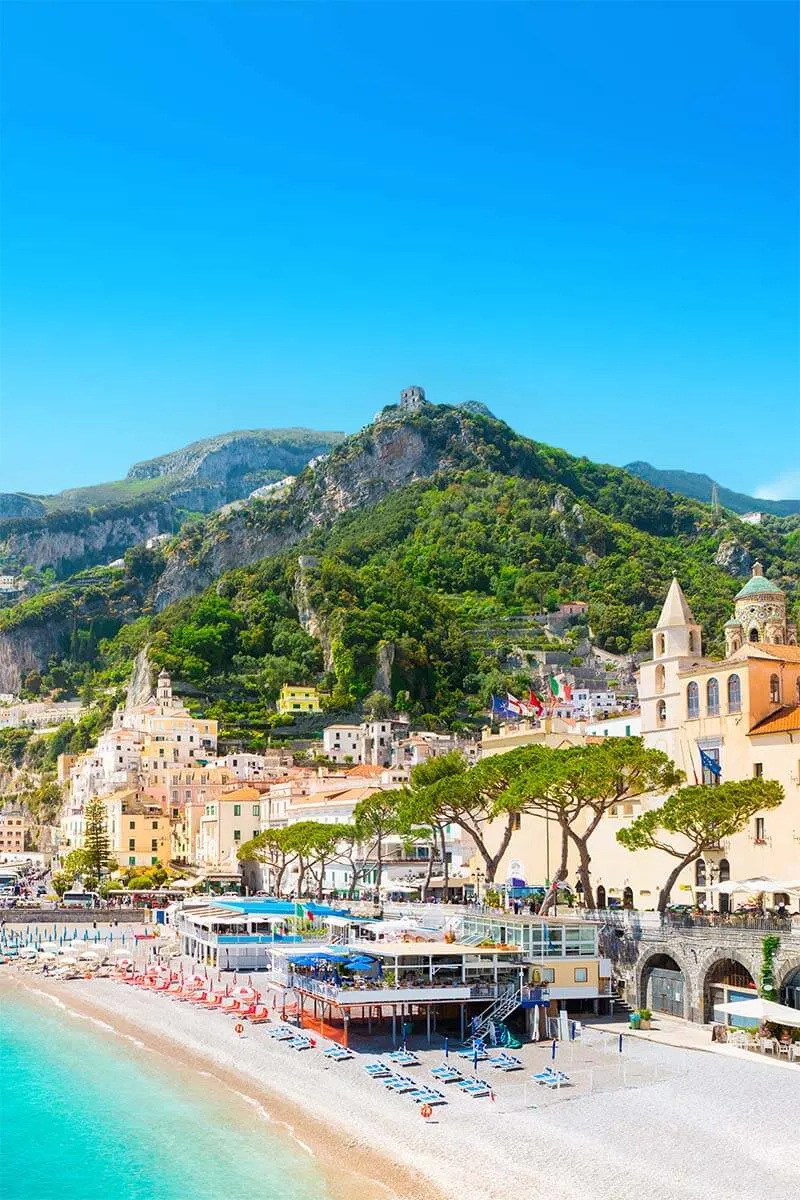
373,992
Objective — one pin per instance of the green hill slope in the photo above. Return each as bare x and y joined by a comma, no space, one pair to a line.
377,566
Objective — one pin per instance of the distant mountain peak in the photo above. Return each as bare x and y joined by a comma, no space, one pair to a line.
698,486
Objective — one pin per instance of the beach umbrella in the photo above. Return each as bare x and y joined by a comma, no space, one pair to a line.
475,1056
553,1050
620,1043
243,993
446,1050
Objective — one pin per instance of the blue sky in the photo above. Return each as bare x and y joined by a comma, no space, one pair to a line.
230,216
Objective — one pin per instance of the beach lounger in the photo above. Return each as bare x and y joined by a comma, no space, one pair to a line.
259,1016
403,1058
471,1053
377,1070
557,1079
282,1033
475,1088
428,1096
338,1053
446,1074
300,1043
400,1084
506,1062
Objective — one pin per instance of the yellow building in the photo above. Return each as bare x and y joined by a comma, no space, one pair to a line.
229,820
138,830
295,698
13,827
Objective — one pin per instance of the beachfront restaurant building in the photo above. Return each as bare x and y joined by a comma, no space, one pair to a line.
560,954
421,986
236,935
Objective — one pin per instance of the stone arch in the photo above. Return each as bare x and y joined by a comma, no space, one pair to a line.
717,962
658,955
785,973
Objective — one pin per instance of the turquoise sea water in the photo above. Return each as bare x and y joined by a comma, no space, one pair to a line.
86,1115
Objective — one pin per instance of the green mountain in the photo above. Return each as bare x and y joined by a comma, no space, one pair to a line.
376,567
88,526
699,487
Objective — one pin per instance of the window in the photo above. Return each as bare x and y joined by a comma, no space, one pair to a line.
692,643
581,974
693,701
661,679
661,712
711,778
761,830
753,635
724,870
188,793
175,795
237,810
175,814
237,835
131,824
712,697
758,770
256,810
601,896
131,843
661,645
155,824
132,861
734,694
154,861
774,689
700,873
154,844
548,974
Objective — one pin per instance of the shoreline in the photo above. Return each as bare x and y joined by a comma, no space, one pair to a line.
364,1177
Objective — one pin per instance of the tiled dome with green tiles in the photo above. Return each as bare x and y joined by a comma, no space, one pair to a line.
759,585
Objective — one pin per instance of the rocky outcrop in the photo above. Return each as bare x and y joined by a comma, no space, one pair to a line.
140,688
358,474
383,670
733,557
87,541
14,506
25,649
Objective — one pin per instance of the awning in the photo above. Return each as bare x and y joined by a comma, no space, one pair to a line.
761,1010
758,883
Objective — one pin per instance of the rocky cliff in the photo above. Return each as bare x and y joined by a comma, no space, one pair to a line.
86,527
385,456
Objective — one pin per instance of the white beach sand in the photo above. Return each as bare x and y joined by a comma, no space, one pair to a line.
687,1125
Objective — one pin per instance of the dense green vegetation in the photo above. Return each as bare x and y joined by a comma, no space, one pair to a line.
511,528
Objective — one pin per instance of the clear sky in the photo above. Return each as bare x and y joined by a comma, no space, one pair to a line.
222,216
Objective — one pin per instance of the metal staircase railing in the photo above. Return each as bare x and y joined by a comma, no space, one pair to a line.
498,1010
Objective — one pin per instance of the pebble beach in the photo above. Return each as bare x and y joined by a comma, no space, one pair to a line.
653,1120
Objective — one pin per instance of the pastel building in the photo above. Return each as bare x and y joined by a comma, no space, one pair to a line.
298,698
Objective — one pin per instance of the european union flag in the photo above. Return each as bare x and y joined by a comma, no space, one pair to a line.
710,764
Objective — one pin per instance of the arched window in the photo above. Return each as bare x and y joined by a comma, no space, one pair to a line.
724,875
691,642
753,635
601,896
661,679
734,694
693,700
627,898
700,873
712,697
735,645
661,645
774,689
661,712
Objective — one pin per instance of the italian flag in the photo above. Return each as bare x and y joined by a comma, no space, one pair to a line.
560,691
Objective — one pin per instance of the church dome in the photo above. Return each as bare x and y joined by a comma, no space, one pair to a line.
758,585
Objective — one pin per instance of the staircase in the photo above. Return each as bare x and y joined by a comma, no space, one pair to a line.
498,1010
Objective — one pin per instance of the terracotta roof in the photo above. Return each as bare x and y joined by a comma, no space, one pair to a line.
366,771
783,720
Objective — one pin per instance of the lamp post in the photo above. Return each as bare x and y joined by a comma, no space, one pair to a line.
478,882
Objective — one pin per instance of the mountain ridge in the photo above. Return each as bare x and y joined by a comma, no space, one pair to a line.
697,486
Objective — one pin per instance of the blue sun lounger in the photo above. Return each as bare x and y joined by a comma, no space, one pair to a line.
400,1084
474,1087
506,1062
403,1058
446,1074
338,1053
300,1043
471,1052
377,1070
282,1033
428,1096
551,1078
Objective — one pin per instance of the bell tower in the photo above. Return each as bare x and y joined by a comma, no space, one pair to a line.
677,644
